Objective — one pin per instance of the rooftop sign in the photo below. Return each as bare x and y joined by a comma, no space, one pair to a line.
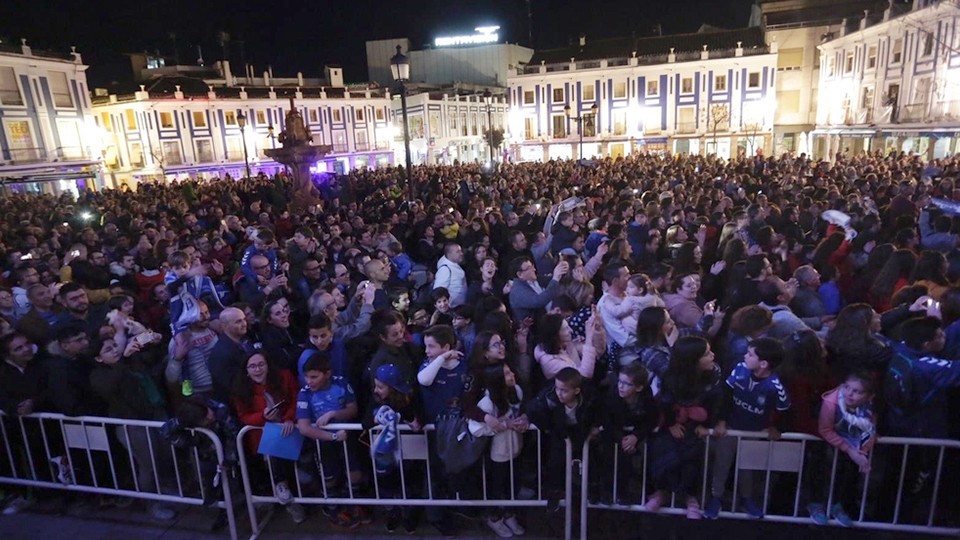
485,34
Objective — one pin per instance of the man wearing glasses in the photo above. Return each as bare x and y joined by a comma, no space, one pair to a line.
527,297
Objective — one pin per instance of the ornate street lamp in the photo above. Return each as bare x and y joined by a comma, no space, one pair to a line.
242,123
488,99
579,119
400,68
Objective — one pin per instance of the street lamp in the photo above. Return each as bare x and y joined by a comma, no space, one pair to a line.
242,123
400,68
488,99
579,119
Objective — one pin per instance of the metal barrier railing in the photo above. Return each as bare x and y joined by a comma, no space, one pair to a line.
790,456
111,456
414,447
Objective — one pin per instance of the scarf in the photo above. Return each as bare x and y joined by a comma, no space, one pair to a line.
386,447
863,423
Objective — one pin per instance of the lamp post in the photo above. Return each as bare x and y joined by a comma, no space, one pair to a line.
579,119
400,68
488,99
242,123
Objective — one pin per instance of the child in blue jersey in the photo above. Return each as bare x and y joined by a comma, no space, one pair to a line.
329,399
184,275
754,397
263,244
442,377
442,374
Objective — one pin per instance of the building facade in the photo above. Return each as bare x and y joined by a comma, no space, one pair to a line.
47,133
445,128
893,85
180,127
712,92
798,28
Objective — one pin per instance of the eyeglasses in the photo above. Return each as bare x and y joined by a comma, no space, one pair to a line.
498,345
257,367
624,383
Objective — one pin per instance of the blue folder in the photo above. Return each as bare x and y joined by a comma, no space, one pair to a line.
273,443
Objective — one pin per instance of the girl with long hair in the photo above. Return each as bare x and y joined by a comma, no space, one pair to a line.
688,402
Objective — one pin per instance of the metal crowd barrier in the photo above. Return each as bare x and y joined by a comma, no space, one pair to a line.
414,447
787,457
114,457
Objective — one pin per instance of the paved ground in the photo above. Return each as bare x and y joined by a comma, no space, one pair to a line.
52,520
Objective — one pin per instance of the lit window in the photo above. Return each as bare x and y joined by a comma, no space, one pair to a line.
337,115
359,114
131,118
166,120
872,57
897,55
848,63
313,116
261,118
199,119
230,118
379,114
653,87
720,83
686,85
620,90
528,97
589,93
558,95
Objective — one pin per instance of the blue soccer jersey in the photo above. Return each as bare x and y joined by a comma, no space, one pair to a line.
311,405
446,390
754,399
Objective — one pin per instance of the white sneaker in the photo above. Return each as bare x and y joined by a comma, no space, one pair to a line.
296,513
17,504
283,493
64,470
160,512
500,528
514,526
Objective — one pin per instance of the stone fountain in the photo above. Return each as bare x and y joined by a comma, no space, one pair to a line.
298,154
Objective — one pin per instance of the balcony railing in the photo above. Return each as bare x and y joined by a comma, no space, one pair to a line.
22,156
946,111
916,112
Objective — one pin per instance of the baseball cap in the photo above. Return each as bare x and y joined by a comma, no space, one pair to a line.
390,375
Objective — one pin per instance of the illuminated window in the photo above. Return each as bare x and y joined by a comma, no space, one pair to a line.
337,116
620,90
720,83
589,93
230,118
359,114
529,128
653,87
261,118
131,118
686,85
105,122
872,57
199,119
171,153
753,79
313,116
60,89
379,113
789,59
136,154
558,95
528,97
897,55
9,89
559,126
204,150
848,63
166,120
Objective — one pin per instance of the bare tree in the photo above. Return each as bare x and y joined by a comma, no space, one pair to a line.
718,120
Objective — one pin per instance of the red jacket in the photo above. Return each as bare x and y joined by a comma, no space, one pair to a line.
253,415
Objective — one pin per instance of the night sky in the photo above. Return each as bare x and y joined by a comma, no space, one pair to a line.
306,34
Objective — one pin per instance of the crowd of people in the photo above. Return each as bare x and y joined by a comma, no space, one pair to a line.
644,300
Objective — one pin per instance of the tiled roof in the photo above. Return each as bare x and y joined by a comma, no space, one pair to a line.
625,47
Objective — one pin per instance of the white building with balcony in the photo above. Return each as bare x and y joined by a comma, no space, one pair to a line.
177,127
709,92
893,85
445,128
799,27
47,136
